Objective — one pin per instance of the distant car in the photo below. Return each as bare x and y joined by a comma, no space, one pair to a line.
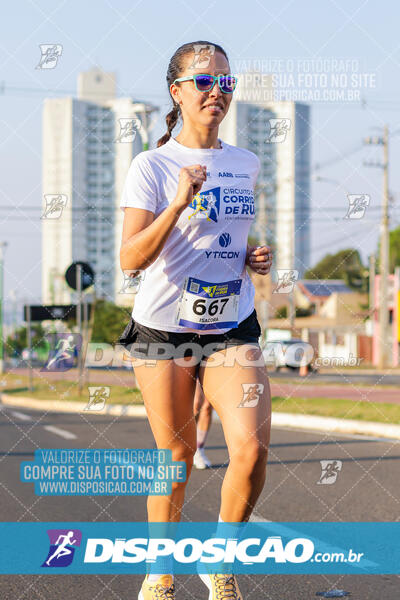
288,353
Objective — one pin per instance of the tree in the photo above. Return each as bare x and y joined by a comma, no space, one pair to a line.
19,340
345,264
109,321
282,312
394,250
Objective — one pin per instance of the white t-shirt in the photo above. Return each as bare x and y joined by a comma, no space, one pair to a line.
209,239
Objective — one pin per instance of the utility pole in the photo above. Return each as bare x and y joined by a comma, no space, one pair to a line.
372,262
384,258
2,246
384,249
292,312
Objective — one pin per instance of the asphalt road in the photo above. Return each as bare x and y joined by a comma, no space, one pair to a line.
367,489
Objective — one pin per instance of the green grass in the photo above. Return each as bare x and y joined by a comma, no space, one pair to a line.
339,408
120,394
66,390
321,382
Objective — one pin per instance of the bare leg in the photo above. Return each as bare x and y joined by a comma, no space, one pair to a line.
246,428
168,391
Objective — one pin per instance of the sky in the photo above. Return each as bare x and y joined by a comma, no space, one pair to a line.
322,45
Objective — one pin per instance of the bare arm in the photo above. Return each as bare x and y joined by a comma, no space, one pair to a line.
143,236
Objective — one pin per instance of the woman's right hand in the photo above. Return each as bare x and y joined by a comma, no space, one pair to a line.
190,181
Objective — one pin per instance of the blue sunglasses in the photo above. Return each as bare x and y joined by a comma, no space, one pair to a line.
205,82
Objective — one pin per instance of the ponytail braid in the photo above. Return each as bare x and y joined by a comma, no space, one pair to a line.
175,68
171,120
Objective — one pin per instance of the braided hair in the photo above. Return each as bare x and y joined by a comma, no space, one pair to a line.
175,68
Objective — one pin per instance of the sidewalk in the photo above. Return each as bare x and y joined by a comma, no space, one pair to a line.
279,419
313,389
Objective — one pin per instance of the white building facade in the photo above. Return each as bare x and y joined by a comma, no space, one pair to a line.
88,145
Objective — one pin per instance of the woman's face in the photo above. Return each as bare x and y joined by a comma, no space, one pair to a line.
203,108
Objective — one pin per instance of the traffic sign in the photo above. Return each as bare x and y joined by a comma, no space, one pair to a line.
52,312
87,275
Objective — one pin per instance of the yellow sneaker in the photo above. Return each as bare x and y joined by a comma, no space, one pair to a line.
162,589
222,587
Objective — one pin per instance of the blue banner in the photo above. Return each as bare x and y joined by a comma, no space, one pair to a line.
262,547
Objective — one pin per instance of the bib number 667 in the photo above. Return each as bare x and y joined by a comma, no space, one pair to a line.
200,306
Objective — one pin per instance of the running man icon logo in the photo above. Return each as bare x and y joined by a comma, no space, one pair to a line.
128,129
251,394
63,543
357,205
278,130
286,280
55,203
202,55
132,281
98,395
206,205
330,471
50,55
64,348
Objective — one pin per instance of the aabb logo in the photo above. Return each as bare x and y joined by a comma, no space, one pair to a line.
62,547
225,174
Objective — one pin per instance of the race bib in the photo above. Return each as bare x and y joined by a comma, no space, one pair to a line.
205,305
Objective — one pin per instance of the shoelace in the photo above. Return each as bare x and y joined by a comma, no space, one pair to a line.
163,593
226,587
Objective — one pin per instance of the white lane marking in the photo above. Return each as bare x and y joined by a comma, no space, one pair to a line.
62,432
21,415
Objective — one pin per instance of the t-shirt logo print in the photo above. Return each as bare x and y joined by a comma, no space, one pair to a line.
206,205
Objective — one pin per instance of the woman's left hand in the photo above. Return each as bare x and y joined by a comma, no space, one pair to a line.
259,259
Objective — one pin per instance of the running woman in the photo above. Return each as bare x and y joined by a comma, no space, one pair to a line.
197,298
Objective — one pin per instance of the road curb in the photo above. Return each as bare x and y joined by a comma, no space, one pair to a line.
126,410
279,419
331,424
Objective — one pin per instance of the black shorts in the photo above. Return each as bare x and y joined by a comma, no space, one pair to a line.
154,344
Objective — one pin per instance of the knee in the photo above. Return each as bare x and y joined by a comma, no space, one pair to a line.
252,456
184,453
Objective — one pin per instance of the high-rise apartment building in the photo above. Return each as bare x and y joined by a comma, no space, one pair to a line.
279,133
88,145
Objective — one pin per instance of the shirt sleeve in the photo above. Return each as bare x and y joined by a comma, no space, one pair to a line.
140,189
